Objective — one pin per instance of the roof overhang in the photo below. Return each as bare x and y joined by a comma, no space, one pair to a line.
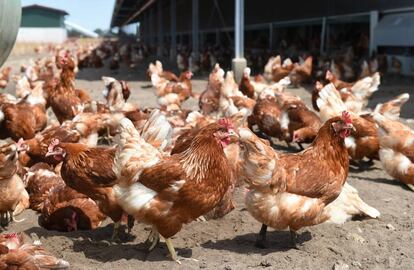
395,30
128,11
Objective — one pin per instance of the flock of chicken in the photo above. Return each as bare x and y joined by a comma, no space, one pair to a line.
168,166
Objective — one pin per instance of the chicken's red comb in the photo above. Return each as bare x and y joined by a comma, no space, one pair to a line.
52,144
346,117
10,235
226,123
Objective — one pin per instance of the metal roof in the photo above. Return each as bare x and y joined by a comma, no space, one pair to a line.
60,11
128,11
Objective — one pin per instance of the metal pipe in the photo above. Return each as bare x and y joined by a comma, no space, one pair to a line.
239,29
195,34
173,11
323,31
160,36
133,16
373,21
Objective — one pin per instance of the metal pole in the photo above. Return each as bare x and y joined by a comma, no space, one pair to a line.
160,39
195,30
270,36
323,31
239,63
173,13
151,27
372,24
239,29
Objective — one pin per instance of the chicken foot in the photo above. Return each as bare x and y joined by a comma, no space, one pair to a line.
294,239
261,238
130,223
153,239
173,254
12,218
115,233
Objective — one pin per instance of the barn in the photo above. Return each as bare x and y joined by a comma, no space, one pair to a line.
320,26
42,24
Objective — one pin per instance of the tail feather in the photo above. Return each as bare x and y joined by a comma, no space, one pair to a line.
392,108
134,154
157,130
365,87
348,205
330,102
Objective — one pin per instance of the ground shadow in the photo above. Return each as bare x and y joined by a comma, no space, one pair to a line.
94,245
384,181
277,241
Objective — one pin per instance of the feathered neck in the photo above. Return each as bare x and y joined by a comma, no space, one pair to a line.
204,155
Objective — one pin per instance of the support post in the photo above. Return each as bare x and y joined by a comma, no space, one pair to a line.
373,21
160,35
151,27
217,37
195,30
323,36
239,63
271,36
173,15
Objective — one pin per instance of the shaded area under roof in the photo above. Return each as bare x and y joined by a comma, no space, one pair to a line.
125,9
60,11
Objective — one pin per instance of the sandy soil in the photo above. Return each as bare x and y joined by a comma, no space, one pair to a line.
228,243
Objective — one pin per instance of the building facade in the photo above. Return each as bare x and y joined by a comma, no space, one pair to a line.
42,24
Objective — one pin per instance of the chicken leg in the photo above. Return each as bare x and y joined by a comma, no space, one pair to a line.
173,254
115,233
261,238
293,239
153,239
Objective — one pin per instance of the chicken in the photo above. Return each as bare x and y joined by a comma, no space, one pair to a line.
266,115
68,210
158,69
363,141
209,99
279,70
330,77
349,205
392,108
37,147
167,192
315,94
355,95
299,124
89,170
18,255
12,189
301,73
40,179
22,120
171,94
116,94
245,85
292,190
63,98
4,77
397,149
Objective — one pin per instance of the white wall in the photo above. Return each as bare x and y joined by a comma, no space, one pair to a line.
40,34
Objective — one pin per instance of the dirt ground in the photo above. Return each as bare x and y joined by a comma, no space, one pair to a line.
228,243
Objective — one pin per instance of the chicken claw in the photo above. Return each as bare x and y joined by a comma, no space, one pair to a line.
293,238
153,239
261,238
12,218
174,255
115,234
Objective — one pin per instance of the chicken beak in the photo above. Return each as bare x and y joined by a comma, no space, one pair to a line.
48,154
234,137
351,127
